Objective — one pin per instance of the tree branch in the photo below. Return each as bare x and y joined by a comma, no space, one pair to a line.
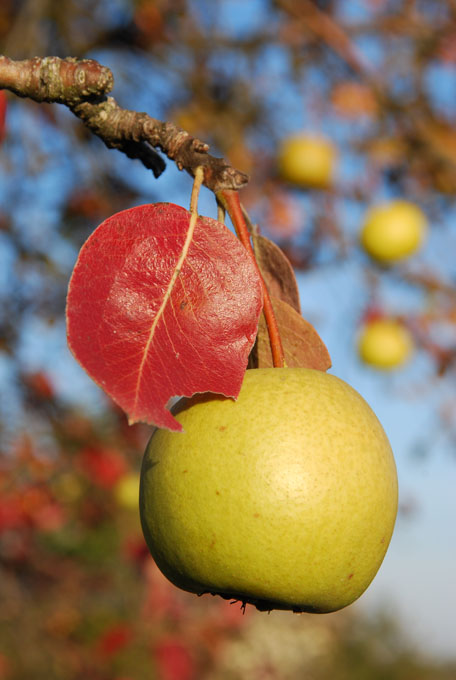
82,86
324,27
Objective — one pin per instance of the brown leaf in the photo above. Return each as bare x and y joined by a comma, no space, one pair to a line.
441,138
302,345
283,215
352,99
277,271
437,161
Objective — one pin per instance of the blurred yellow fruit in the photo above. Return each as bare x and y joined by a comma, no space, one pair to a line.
127,491
393,230
307,161
385,344
285,498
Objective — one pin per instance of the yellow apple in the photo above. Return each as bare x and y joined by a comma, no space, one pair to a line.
385,344
393,231
126,491
285,498
307,161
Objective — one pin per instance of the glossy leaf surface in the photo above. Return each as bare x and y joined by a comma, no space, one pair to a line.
160,307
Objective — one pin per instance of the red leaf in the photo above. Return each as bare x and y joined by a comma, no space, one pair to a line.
102,466
39,384
114,639
173,659
11,512
156,310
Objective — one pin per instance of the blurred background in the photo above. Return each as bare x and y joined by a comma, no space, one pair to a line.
374,79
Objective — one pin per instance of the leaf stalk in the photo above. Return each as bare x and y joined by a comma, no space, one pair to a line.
229,199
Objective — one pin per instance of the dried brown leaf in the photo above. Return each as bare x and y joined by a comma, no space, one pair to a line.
302,345
352,99
278,274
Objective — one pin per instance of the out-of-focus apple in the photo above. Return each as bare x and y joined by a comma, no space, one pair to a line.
394,230
385,344
126,491
307,160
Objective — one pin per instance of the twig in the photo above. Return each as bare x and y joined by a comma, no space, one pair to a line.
82,85
323,26
230,201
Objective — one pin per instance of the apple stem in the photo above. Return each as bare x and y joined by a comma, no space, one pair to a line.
220,213
253,228
229,199
196,188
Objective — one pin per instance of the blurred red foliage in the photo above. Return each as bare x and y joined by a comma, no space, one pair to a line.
174,659
114,639
102,466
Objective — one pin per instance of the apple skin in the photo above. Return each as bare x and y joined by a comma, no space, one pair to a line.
393,231
307,161
385,344
285,498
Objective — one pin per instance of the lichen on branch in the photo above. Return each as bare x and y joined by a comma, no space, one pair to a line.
82,85
54,80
